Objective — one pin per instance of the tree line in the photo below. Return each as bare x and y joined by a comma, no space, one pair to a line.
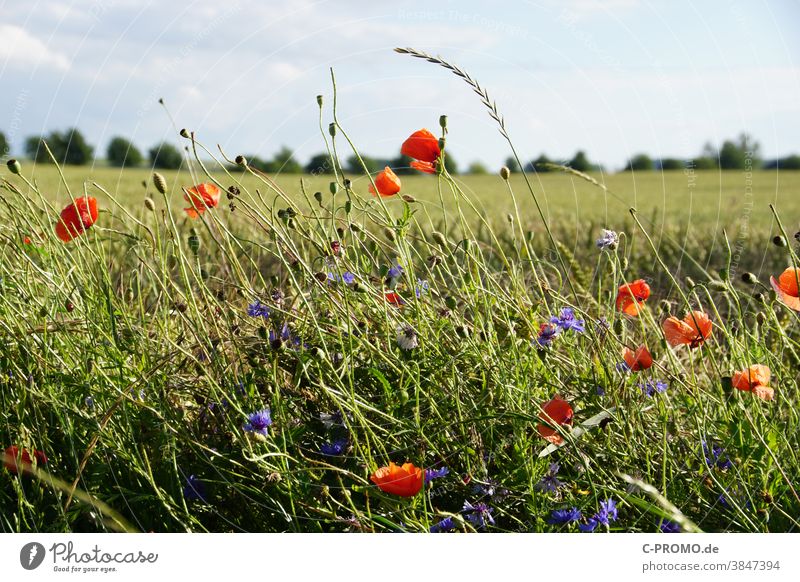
70,147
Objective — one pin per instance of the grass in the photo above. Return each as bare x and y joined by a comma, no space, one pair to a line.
131,357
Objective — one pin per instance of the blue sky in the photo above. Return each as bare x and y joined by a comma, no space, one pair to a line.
613,78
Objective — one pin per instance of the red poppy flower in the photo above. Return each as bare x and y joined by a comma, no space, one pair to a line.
394,299
641,359
693,329
631,297
754,379
27,241
13,458
76,218
786,288
201,197
387,182
423,146
556,412
405,480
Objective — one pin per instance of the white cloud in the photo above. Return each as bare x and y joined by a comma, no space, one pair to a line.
20,49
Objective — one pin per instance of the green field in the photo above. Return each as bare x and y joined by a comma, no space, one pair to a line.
137,356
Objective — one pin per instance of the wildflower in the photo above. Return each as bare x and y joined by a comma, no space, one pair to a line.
631,297
590,525
393,298
76,218
650,387
423,146
600,391
547,332
478,515
444,525
258,309
714,456
566,321
421,288
15,458
404,480
431,474
669,527
407,337
258,422
641,359
334,448
556,412
195,489
754,379
694,329
550,482
608,511
608,241
602,327
387,182
786,288
564,516
347,277
201,197
395,272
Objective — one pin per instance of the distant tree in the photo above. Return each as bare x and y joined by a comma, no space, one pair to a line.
580,162
639,163
319,164
791,162
121,152
703,163
539,164
284,162
4,147
165,156
255,162
373,165
667,164
513,165
401,165
477,169
450,164
734,155
68,147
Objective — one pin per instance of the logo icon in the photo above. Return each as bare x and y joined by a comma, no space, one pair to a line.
31,555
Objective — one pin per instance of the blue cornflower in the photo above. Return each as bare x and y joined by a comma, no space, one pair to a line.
258,309
669,527
258,422
395,272
443,526
195,489
550,482
564,516
422,288
623,367
590,525
547,332
348,278
431,474
600,391
566,320
650,387
478,515
714,456
334,448
608,512
608,240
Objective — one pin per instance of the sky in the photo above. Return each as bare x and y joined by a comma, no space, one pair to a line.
613,78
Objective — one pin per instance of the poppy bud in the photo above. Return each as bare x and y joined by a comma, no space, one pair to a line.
750,278
462,331
439,238
442,143
318,197
760,297
779,241
184,133
321,277
318,353
510,218
355,228
389,234
451,302
347,183
797,236
160,182
619,326
724,274
333,187
505,173
690,282
14,166
240,161
443,121
194,243
717,284
319,100
409,199
332,129
761,318
348,206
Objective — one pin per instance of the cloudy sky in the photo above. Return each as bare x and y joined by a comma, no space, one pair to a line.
614,77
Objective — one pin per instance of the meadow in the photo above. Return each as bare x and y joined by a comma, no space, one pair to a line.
304,356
